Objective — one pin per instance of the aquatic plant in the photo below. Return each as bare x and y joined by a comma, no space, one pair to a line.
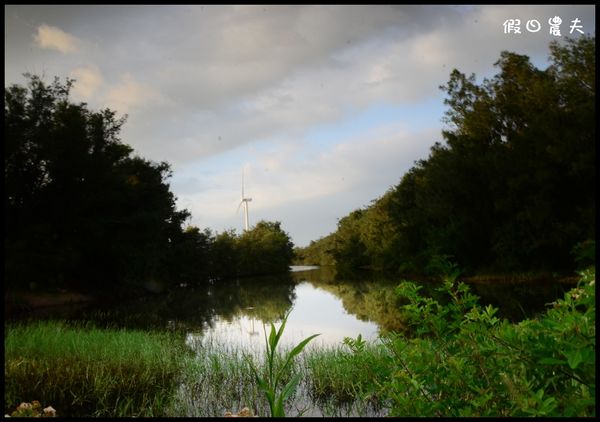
275,373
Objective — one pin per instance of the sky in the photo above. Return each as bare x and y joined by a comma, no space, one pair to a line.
323,108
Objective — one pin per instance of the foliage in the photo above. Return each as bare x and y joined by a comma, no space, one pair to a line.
265,248
318,252
511,188
275,370
80,210
464,361
585,253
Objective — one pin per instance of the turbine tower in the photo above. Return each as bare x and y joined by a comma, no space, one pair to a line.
245,202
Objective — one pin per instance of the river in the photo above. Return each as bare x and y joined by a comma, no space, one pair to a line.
318,300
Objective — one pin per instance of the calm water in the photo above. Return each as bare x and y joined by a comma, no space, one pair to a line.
320,301
314,310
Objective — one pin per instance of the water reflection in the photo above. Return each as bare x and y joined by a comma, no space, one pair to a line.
336,306
315,311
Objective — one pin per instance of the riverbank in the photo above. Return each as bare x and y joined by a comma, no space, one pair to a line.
16,301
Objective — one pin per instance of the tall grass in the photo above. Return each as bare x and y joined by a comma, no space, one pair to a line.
82,370
217,380
343,376
334,382
85,371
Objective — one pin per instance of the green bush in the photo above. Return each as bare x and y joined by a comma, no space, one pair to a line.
464,361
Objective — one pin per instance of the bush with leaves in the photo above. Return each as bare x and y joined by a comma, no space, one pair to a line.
462,360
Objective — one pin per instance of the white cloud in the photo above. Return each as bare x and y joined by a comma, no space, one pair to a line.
330,182
88,80
54,38
129,94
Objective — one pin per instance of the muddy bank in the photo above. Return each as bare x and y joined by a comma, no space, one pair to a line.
22,301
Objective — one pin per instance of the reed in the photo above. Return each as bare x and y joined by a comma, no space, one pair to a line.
85,371
334,381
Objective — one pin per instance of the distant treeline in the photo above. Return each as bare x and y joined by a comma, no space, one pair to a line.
511,189
81,211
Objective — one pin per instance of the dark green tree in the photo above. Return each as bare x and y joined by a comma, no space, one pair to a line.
80,210
265,248
511,188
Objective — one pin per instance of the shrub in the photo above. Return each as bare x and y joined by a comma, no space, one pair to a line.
465,361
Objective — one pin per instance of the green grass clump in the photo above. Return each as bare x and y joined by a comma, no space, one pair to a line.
217,380
86,371
343,375
221,379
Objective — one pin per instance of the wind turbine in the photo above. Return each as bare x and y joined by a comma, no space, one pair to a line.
245,202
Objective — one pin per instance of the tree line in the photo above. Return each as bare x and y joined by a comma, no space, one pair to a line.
83,211
512,188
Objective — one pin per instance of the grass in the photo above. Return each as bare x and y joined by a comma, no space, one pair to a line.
219,379
334,382
85,371
340,376
82,370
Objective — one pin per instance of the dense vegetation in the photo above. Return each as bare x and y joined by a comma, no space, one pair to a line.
82,211
512,188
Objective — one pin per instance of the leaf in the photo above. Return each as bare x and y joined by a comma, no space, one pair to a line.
296,350
574,358
280,331
539,395
552,361
287,391
272,338
290,387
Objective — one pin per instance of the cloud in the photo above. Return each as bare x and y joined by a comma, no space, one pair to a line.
304,182
53,38
88,80
235,75
129,94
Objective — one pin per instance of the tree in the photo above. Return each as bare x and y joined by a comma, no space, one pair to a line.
265,248
512,187
80,210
